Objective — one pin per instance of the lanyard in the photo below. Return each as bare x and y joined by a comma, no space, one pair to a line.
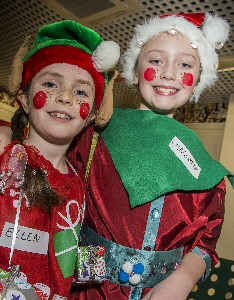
15,229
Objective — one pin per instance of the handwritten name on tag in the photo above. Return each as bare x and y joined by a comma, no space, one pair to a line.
27,239
185,156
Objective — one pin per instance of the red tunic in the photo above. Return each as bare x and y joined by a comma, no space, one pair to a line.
41,234
188,219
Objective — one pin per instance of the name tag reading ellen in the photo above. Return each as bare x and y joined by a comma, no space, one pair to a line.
27,239
185,156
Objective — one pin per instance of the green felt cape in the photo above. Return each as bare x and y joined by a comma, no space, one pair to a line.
155,155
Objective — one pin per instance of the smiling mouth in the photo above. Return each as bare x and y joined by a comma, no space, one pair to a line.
60,115
165,90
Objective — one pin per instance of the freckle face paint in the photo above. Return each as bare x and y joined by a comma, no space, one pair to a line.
150,74
188,79
84,110
39,99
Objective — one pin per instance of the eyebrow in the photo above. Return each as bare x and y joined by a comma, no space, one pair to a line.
162,51
58,75
82,81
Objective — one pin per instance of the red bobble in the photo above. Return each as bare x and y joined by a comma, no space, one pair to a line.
39,99
150,74
188,79
84,110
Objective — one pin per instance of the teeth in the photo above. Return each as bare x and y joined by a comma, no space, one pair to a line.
165,90
60,115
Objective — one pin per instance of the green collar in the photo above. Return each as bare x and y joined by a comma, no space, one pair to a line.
155,155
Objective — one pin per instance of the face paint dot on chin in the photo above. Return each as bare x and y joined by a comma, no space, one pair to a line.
84,110
39,99
150,74
188,79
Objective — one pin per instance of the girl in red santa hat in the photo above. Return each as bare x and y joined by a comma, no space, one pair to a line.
156,196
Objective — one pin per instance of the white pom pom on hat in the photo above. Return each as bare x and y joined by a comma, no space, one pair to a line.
216,31
106,56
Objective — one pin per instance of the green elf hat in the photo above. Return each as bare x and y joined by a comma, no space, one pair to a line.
72,43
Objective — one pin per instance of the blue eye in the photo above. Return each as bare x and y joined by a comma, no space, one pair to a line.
81,93
155,61
186,66
49,84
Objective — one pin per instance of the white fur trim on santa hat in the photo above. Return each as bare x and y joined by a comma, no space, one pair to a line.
215,33
106,56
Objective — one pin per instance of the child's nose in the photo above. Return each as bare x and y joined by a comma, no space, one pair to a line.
65,97
168,72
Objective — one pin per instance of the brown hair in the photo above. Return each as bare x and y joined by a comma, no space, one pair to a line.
36,186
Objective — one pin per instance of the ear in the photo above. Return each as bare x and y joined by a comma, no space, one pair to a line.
23,99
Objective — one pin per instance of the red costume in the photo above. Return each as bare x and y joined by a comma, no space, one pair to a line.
189,219
46,242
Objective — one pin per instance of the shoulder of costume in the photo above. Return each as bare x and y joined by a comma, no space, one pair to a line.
149,148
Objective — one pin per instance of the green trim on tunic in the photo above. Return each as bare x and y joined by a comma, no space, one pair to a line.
138,141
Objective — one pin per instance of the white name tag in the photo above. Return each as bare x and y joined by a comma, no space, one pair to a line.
27,239
185,156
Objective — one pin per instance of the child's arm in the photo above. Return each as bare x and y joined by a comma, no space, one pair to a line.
181,282
5,137
194,265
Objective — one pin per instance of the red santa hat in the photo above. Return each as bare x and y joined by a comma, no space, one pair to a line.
206,32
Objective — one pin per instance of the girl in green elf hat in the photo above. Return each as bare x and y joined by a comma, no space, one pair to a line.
156,196
60,84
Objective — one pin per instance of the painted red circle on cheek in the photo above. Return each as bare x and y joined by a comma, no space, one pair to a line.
39,99
84,110
188,79
150,74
